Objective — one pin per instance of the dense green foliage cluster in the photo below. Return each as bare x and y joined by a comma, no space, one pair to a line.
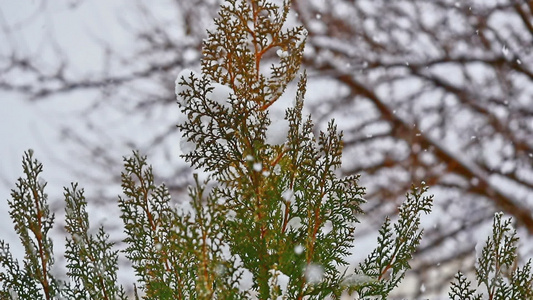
272,221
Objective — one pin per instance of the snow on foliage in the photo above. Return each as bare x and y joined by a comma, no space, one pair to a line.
314,273
276,133
221,94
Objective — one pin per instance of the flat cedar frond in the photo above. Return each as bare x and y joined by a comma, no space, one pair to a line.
16,282
150,224
33,220
497,268
282,196
387,264
245,34
460,289
91,260
176,252
146,215
217,271
521,283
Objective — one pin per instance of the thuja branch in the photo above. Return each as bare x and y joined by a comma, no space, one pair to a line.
273,219
29,210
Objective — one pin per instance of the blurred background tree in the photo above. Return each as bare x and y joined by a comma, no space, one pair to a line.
445,88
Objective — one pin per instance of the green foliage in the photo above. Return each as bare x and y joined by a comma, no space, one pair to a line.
246,31
497,268
460,289
33,220
281,197
176,253
272,221
91,260
385,267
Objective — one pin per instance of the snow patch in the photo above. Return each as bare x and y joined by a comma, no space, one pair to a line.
288,195
327,228
282,53
220,94
276,133
231,214
186,208
186,146
279,279
294,223
277,169
247,280
283,282
314,273
357,280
